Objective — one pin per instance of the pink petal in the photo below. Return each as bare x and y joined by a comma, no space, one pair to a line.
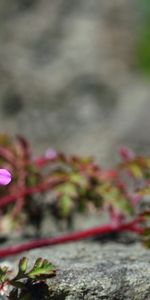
5,177
50,154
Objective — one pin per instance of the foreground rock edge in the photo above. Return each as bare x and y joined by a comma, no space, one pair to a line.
91,270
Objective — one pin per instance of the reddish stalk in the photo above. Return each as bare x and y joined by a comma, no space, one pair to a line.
75,236
31,190
41,161
7,155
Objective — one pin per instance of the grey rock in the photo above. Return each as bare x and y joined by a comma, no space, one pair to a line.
65,76
66,80
92,271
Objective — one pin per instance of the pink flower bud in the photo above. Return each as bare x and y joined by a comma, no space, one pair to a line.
5,177
50,154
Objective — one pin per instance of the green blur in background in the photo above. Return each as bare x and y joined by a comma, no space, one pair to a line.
142,51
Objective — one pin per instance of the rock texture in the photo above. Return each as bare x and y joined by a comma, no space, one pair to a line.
66,77
92,271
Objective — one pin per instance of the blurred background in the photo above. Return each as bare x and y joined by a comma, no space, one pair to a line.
75,74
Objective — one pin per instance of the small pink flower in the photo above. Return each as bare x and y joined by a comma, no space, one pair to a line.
5,177
50,154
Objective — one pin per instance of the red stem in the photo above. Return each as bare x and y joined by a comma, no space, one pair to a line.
75,236
41,161
31,190
7,155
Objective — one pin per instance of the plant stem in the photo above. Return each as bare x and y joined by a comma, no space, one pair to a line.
74,236
41,161
7,155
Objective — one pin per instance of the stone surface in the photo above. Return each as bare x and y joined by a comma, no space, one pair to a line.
66,79
91,271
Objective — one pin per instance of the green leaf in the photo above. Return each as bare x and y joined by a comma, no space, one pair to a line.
136,170
42,269
23,264
65,205
68,189
78,179
4,274
113,195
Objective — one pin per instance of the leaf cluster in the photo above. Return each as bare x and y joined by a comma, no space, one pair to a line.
27,284
64,184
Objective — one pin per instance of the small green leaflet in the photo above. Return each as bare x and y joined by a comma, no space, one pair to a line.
42,269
